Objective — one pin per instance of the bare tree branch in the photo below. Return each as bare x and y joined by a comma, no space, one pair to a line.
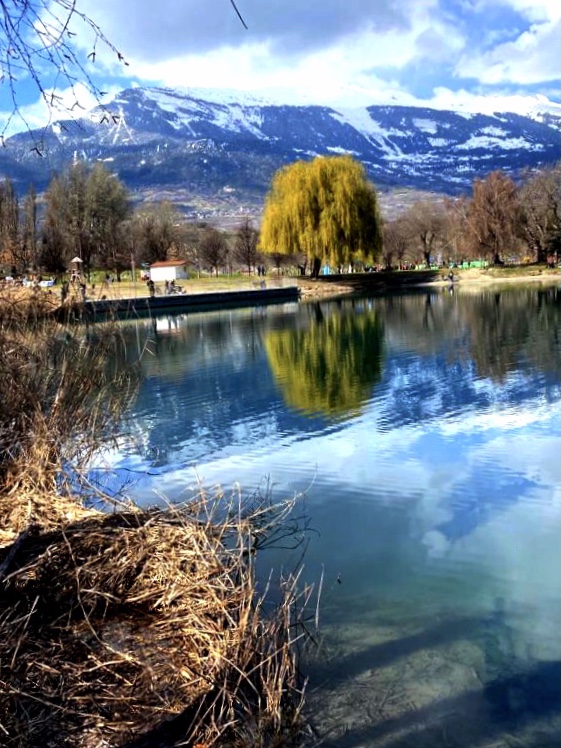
36,44
235,7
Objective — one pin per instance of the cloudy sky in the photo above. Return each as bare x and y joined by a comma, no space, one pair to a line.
446,52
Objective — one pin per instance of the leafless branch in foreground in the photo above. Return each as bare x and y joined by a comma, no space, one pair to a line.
36,44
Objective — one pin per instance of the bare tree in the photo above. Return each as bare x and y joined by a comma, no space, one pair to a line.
540,199
425,223
396,243
36,43
214,249
458,246
279,260
28,239
245,246
157,232
191,236
9,223
493,216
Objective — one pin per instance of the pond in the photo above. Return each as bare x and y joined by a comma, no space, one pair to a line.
422,434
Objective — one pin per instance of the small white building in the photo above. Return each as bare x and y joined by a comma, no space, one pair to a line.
168,270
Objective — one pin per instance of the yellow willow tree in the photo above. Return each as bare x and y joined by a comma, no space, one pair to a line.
325,209
329,366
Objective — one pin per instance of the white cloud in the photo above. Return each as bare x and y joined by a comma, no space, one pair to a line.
532,58
466,101
168,29
325,75
338,52
534,10
299,48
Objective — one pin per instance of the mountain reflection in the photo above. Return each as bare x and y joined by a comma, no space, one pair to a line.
330,364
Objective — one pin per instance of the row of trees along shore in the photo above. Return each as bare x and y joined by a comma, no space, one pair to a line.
316,212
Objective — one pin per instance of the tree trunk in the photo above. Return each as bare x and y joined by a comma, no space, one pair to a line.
541,254
316,267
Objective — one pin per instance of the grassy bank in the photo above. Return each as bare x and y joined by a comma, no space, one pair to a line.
340,285
507,273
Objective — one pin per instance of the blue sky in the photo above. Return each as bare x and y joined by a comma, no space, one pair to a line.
447,53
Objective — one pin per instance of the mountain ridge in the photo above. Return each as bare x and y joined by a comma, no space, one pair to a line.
171,139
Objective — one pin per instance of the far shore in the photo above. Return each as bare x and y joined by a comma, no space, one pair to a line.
322,287
473,278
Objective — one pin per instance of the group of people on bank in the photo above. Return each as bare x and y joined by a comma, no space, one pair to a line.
170,288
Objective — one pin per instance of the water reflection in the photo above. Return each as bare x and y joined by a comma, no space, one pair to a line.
214,381
496,332
329,363
425,431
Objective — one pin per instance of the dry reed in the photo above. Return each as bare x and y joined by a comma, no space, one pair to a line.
129,627
112,624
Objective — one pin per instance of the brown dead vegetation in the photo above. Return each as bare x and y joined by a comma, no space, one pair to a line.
128,627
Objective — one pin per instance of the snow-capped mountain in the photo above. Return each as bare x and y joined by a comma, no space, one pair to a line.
209,141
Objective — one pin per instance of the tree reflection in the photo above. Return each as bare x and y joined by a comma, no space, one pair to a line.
329,365
500,331
509,331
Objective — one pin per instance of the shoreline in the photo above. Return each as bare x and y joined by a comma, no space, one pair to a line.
324,287
313,289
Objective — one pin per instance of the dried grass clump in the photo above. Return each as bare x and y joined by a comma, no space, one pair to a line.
141,628
22,304
62,390
132,627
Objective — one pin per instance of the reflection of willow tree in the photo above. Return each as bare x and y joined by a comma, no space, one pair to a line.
330,366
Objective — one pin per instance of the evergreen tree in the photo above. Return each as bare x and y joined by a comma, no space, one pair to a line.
108,207
84,209
55,240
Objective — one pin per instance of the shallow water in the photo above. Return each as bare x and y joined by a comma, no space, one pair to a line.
422,433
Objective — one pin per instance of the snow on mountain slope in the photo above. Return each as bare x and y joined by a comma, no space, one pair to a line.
207,140
536,107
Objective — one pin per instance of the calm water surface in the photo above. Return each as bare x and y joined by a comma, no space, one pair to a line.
423,432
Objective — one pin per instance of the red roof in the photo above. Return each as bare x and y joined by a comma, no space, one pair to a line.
168,263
